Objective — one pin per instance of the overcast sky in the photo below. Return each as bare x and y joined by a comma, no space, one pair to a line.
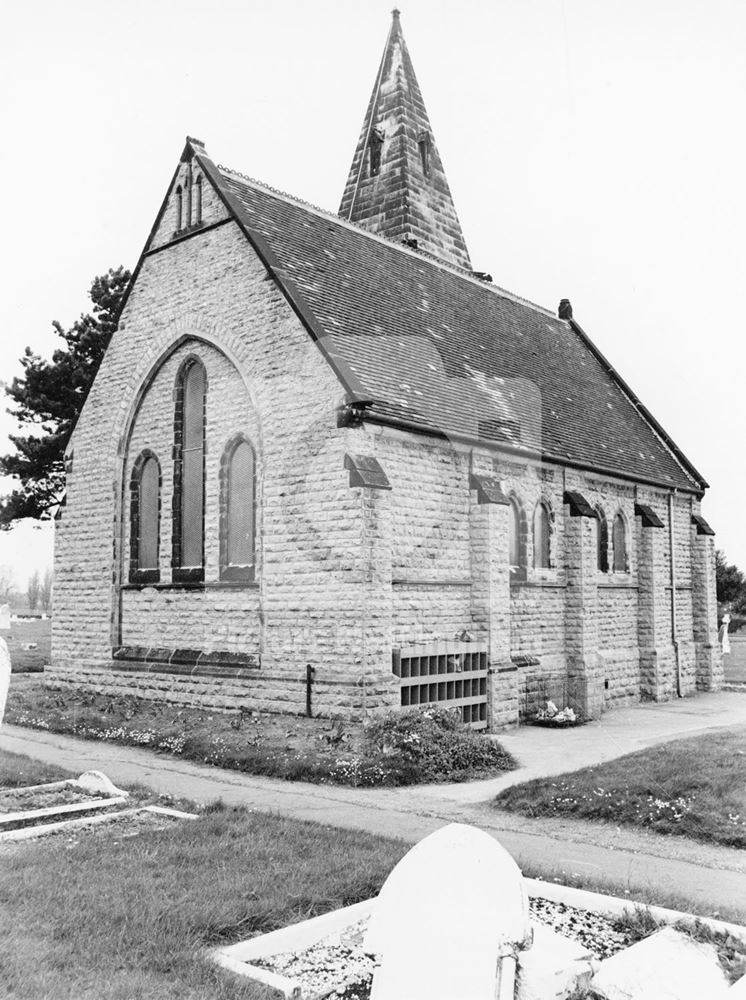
595,150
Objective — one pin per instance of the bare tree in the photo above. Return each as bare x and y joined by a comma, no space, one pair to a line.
7,585
45,592
33,590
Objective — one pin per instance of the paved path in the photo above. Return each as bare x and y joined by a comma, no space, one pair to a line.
647,866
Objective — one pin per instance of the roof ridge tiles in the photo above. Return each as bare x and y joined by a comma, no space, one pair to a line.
408,251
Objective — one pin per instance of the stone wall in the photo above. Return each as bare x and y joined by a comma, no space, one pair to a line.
209,295
346,574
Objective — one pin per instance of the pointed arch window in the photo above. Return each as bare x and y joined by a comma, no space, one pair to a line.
516,543
145,509
542,537
238,511
179,209
198,200
602,542
619,539
189,473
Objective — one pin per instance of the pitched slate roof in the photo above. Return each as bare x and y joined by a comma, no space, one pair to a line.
438,350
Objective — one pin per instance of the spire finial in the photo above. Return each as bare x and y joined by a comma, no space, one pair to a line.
395,13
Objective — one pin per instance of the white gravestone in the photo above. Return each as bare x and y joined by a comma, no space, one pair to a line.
5,617
96,781
4,676
668,965
449,920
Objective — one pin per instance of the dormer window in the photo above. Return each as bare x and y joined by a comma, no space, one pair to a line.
374,151
424,143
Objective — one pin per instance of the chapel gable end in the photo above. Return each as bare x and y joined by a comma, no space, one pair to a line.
192,201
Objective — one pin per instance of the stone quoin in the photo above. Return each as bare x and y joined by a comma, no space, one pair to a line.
326,466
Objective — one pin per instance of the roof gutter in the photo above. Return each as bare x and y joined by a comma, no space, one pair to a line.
418,428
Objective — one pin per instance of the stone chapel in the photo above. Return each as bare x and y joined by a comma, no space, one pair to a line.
327,467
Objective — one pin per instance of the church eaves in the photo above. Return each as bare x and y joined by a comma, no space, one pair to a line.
397,186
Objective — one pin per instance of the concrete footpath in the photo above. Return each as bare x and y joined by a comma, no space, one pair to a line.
645,866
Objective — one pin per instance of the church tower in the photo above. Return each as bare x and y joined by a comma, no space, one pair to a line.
397,186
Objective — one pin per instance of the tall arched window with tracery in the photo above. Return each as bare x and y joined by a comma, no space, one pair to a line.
619,539
542,537
145,509
602,542
238,511
189,473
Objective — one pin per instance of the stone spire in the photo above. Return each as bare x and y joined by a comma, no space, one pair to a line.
397,186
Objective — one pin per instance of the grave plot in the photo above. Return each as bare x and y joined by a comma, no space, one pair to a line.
496,937
74,807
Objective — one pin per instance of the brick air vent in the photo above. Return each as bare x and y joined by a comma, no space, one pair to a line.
447,674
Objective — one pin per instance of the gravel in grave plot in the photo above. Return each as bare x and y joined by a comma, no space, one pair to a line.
339,968
118,826
23,799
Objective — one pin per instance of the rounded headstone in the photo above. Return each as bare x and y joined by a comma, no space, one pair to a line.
450,909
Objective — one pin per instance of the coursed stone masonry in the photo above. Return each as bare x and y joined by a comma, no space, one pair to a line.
344,573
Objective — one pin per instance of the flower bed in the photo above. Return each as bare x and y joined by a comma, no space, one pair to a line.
398,748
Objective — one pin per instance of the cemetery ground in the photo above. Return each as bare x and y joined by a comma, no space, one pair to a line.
110,917
628,861
694,787
106,916
29,643
401,748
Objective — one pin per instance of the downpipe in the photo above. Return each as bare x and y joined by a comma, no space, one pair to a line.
672,547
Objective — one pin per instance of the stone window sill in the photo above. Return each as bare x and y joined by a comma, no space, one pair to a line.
618,581
546,584
212,585
186,662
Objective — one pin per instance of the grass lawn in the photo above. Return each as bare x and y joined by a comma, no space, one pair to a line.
695,787
123,919
17,770
401,748
25,632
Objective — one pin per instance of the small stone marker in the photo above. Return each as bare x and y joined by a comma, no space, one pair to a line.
5,617
449,920
96,781
668,965
554,966
4,676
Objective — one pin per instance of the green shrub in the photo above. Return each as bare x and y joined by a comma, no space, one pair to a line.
429,744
